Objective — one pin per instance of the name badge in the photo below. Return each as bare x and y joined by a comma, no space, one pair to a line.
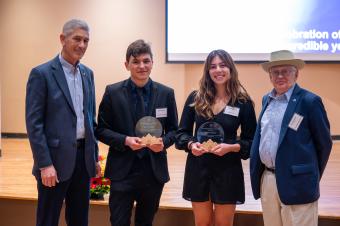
161,112
295,121
234,111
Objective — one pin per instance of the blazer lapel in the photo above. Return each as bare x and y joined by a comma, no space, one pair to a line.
61,80
294,99
127,97
264,106
153,98
85,89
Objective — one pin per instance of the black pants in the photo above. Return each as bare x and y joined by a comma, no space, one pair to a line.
75,191
147,202
139,186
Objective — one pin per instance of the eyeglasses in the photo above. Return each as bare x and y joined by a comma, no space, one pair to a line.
283,72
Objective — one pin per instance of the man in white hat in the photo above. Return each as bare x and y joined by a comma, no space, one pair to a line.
291,147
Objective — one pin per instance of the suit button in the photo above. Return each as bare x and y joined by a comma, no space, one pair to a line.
75,144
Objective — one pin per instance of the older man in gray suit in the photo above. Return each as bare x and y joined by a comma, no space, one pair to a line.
60,120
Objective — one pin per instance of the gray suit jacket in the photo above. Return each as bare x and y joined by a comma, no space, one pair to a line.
51,120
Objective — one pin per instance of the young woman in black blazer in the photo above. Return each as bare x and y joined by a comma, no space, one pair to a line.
213,179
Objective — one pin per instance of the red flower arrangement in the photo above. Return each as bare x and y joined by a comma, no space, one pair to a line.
99,185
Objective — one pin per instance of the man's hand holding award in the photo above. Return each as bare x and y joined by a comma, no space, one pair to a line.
149,130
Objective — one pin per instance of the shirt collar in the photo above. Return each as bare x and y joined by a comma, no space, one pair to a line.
66,65
285,96
146,88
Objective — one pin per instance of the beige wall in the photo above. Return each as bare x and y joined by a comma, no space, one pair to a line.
323,79
30,29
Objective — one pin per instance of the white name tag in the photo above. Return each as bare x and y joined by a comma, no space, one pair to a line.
295,121
234,111
161,112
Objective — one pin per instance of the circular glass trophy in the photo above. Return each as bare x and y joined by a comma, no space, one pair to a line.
210,134
149,129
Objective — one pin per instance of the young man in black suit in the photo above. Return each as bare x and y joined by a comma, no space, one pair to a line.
137,172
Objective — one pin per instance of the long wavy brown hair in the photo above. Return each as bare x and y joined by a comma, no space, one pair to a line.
205,96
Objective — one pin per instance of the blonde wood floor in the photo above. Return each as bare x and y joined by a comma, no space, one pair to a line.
17,182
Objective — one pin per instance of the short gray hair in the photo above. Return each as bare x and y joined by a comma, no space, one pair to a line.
73,24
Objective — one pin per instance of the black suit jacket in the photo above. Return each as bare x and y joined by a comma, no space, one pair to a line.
51,120
116,120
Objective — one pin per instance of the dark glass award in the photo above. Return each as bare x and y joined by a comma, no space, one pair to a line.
210,134
149,129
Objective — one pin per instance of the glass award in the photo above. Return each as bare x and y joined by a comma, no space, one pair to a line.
210,134
149,129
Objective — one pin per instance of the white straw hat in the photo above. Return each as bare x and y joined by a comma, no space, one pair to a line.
282,57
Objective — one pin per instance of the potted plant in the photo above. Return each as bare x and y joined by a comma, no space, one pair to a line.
99,186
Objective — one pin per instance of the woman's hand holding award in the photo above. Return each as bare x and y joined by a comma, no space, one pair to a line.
210,134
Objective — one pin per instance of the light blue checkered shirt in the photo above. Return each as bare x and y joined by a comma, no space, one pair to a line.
75,86
271,125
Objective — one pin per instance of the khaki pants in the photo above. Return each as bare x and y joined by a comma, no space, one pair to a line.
275,213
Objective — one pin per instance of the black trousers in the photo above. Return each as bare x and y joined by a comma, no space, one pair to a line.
147,203
141,187
75,191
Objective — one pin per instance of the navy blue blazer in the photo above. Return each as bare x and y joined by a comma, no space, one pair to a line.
302,155
51,120
116,120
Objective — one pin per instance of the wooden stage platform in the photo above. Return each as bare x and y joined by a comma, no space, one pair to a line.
17,182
